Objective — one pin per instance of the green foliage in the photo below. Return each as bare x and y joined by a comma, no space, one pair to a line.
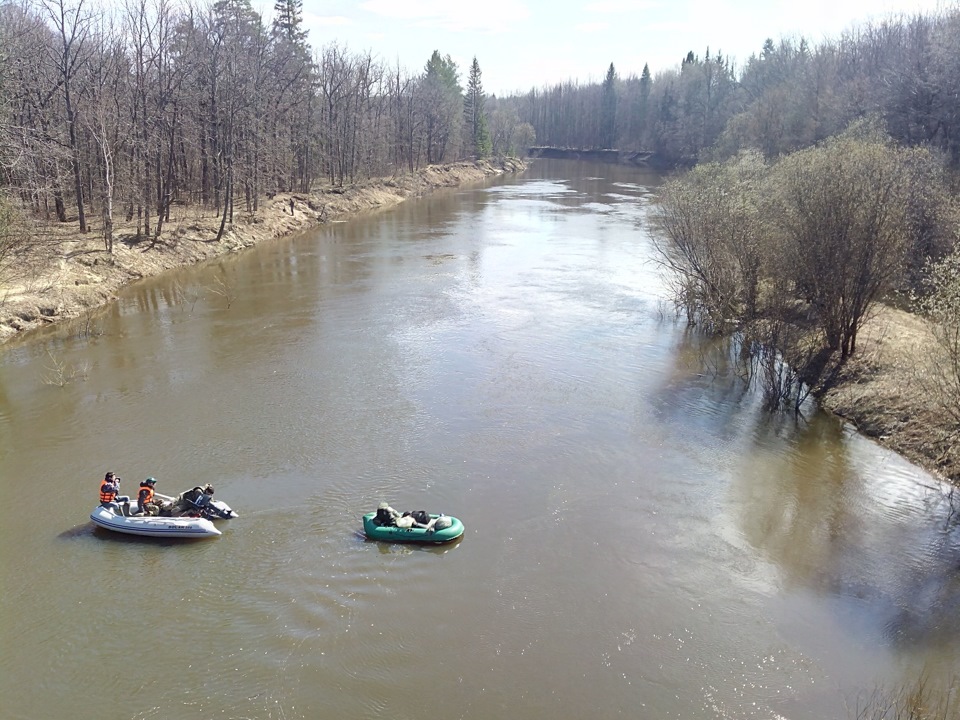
608,110
443,72
474,113
288,20
235,16
481,139
442,106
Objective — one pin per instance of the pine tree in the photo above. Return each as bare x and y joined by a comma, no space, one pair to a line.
608,110
287,19
442,106
474,116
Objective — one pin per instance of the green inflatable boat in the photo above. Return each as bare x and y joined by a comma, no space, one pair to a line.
390,533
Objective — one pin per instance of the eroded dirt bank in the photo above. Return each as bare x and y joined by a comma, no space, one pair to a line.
74,274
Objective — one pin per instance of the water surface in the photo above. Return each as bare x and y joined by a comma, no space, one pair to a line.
642,540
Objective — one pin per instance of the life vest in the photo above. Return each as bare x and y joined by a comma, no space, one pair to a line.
108,491
145,496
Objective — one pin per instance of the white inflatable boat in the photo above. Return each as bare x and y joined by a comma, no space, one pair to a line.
188,519
111,517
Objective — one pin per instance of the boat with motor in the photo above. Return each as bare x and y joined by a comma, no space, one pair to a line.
189,514
387,525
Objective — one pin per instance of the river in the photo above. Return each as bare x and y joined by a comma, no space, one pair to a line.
642,540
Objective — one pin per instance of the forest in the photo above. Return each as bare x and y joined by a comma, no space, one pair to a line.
125,113
790,95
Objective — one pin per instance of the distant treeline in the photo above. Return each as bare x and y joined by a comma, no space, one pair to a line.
822,179
127,112
124,113
790,96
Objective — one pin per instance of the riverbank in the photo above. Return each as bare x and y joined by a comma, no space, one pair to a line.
72,274
884,393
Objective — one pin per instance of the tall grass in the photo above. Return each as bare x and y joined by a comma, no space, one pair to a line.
921,700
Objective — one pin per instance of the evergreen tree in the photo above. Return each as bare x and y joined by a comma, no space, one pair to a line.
287,20
645,83
442,106
474,114
608,110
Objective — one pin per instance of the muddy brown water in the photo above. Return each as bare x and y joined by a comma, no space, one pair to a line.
641,539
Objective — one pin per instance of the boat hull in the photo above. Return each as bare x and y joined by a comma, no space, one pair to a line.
411,535
152,526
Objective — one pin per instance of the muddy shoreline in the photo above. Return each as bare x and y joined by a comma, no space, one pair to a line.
73,275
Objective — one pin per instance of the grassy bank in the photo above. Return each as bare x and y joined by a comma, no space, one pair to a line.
884,392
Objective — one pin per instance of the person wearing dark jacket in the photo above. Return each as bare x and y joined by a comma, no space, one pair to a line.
148,506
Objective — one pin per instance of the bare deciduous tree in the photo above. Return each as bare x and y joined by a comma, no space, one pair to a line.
200,103
711,219
821,236
70,55
844,224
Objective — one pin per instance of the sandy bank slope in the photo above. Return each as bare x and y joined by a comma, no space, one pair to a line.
885,392
75,274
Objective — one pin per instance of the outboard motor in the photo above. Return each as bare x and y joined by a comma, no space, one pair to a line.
214,508
218,509
201,500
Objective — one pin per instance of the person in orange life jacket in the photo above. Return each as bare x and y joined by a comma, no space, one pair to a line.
148,506
110,491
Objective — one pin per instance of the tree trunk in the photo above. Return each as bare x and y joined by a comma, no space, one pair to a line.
107,194
60,208
227,205
163,211
75,164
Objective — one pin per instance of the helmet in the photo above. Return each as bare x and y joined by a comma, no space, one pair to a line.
208,489
108,476
150,481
